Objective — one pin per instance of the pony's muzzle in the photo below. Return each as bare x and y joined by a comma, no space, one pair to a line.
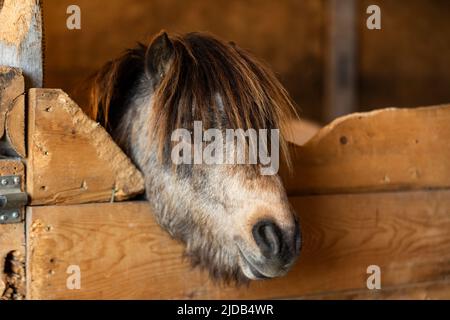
278,250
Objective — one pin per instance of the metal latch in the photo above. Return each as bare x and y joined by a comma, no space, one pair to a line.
12,200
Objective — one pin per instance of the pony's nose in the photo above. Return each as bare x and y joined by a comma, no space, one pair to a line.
276,245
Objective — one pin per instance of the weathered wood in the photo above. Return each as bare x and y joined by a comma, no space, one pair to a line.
385,150
15,128
123,253
21,38
301,131
12,236
71,158
12,114
12,86
434,290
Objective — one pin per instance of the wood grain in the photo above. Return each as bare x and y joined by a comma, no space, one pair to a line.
12,86
433,290
15,128
12,236
123,254
71,158
385,150
21,38
12,114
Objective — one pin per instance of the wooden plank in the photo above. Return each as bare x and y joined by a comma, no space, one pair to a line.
21,38
434,290
385,150
12,238
122,253
301,131
71,158
12,114
12,283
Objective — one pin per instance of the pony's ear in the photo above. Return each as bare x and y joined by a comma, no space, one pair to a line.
110,87
158,55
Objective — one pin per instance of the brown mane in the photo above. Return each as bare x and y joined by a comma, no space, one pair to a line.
201,68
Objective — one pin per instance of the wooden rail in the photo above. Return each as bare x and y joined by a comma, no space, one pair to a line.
384,150
123,254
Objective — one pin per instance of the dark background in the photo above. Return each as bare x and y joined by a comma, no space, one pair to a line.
405,64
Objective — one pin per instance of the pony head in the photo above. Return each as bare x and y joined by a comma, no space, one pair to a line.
235,221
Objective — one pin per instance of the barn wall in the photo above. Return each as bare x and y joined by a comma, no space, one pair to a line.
404,64
265,27
407,63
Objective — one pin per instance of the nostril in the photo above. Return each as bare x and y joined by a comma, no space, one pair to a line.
268,237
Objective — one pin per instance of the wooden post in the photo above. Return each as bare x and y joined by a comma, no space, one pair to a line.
12,112
21,38
341,71
12,244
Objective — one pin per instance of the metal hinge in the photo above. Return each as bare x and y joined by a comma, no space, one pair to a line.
12,200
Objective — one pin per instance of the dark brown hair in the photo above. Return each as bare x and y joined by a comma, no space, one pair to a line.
200,69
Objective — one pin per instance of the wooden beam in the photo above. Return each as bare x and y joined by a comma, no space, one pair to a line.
384,150
341,65
64,142
21,38
301,131
12,112
123,253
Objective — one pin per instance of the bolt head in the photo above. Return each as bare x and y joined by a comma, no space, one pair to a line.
3,218
16,180
4,182
15,215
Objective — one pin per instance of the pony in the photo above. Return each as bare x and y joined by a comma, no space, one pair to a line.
235,223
